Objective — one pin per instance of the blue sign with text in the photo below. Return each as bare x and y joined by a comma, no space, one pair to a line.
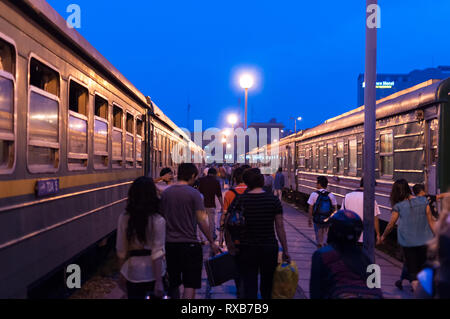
47,187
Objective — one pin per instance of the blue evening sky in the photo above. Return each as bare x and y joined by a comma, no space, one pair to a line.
307,54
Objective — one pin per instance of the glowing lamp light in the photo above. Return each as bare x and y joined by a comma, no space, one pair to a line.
246,81
224,140
232,119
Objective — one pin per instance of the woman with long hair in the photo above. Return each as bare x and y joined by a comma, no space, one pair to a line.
415,227
140,243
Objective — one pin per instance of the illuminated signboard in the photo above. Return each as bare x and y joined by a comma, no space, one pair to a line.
382,85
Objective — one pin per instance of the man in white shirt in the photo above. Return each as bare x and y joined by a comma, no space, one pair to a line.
354,201
321,229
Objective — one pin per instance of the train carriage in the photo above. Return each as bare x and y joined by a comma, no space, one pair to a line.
412,142
74,134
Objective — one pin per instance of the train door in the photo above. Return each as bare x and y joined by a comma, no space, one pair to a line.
431,153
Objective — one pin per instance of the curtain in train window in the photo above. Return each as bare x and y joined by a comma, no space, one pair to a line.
323,158
117,136
352,156
43,118
78,126
330,157
129,140
101,133
7,76
139,141
340,158
387,154
434,127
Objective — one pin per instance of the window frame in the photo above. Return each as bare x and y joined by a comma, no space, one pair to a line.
12,77
121,130
391,154
55,146
79,156
130,161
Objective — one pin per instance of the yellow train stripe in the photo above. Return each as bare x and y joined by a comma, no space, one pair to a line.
27,186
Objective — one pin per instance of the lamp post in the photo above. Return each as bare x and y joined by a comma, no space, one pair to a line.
232,120
246,82
369,125
295,122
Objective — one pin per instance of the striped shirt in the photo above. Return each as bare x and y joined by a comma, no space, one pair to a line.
259,212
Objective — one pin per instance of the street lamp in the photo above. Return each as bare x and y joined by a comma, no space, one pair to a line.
246,82
232,120
295,122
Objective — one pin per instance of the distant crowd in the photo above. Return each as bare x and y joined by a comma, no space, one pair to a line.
168,221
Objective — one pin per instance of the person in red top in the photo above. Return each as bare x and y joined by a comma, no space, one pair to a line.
230,195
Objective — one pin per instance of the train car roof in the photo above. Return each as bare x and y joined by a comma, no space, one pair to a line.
46,16
403,101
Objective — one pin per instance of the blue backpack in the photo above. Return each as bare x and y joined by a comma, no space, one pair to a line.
323,208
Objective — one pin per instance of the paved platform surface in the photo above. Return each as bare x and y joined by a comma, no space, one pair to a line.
302,245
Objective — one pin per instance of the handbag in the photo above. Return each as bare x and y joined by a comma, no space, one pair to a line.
220,269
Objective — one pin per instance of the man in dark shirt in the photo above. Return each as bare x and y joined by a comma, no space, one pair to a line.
209,186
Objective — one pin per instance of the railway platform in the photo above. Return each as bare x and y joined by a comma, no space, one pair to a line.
301,247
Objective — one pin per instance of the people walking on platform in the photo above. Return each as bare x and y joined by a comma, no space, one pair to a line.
278,183
165,180
322,204
354,202
221,174
415,227
339,270
230,197
140,242
258,246
209,186
183,208
268,183
434,279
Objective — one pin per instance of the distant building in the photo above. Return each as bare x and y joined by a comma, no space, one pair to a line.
272,124
388,84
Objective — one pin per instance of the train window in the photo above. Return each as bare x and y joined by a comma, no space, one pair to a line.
7,86
330,157
387,154
43,119
117,137
352,156
340,158
129,141
78,126
101,133
139,140
7,57
44,77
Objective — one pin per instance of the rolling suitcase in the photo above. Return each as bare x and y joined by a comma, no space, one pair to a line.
220,269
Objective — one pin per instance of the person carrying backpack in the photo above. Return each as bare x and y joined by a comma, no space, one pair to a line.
230,201
257,244
322,204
